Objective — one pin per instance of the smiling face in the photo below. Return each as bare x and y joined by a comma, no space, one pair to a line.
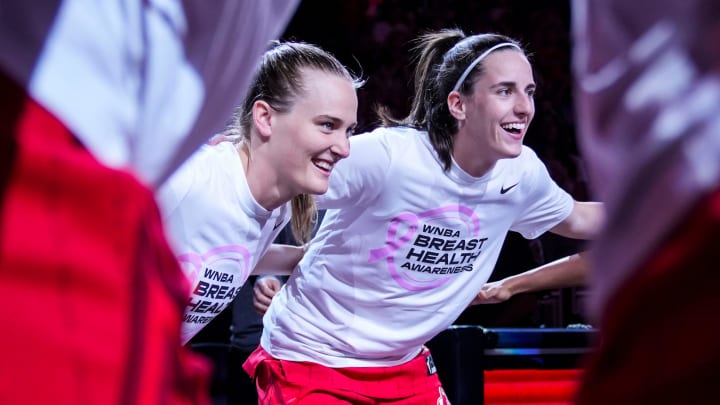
495,117
313,135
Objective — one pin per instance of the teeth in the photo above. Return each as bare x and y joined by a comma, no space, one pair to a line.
323,165
515,125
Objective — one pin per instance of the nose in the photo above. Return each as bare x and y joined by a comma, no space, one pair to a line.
341,145
524,105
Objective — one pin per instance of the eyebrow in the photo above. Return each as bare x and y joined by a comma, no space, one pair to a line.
513,84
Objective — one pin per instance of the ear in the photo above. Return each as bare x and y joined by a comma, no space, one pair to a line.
262,118
456,105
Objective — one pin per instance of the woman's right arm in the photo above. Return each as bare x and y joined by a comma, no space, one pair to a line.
570,271
279,260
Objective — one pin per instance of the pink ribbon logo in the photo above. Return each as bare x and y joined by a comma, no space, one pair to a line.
194,263
402,230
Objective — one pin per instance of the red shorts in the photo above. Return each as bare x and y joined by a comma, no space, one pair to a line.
92,295
660,337
282,382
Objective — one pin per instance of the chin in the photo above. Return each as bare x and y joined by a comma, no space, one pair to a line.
508,154
513,151
317,188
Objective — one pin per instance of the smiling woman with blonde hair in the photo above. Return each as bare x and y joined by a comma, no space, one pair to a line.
227,204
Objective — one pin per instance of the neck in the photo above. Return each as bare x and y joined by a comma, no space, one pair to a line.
469,156
261,179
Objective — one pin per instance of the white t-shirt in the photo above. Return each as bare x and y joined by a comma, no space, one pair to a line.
403,249
648,102
216,228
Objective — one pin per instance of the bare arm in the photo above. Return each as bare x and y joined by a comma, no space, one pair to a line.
570,271
584,222
279,260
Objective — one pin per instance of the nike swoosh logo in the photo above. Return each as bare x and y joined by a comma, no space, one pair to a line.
277,224
504,190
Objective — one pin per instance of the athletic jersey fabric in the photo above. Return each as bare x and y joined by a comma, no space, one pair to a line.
96,292
140,83
100,100
648,96
217,229
403,249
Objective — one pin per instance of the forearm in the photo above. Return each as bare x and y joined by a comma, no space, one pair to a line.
279,260
570,271
584,222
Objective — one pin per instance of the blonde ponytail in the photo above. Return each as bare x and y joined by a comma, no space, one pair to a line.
304,217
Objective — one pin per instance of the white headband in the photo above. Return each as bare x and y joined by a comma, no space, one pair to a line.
478,59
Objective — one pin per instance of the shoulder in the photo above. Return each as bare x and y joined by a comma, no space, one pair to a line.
221,149
208,162
388,137
390,133
213,157
526,161
528,154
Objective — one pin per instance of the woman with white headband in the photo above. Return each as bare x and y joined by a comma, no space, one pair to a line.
415,220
